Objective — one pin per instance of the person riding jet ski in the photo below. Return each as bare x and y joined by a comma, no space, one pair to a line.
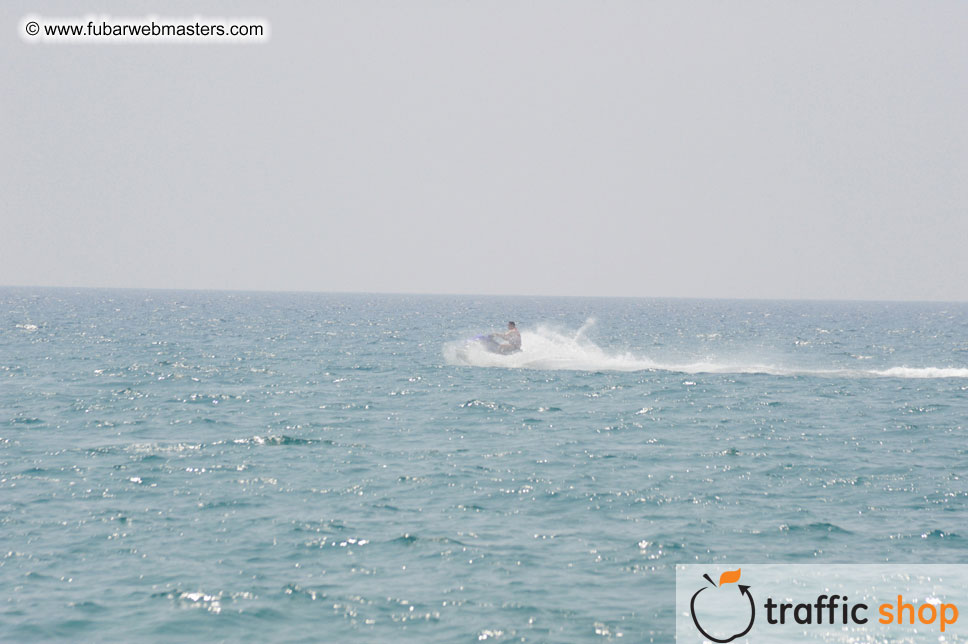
513,338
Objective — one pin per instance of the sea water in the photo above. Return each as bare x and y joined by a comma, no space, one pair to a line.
205,466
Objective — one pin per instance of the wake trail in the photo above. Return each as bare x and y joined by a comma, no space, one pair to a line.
549,349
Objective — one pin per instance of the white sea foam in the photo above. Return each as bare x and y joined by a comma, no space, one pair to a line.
546,348
921,372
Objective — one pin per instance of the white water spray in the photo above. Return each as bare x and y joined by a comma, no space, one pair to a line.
545,348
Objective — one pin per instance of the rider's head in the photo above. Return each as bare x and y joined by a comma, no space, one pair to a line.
511,325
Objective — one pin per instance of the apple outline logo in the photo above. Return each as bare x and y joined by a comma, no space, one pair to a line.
726,577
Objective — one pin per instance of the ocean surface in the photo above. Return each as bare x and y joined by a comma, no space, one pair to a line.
215,466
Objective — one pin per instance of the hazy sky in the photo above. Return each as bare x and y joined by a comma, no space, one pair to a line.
695,149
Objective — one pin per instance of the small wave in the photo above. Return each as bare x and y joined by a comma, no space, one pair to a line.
553,350
939,534
212,602
486,405
25,420
212,399
295,590
817,528
405,539
273,439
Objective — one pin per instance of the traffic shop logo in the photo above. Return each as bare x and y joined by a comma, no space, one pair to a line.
741,609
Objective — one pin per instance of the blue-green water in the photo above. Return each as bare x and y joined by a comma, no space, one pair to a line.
192,466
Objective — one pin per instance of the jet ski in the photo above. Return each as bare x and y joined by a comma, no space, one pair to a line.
492,345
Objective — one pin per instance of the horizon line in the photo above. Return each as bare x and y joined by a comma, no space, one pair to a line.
511,295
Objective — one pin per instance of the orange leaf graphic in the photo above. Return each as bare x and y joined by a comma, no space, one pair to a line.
729,577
